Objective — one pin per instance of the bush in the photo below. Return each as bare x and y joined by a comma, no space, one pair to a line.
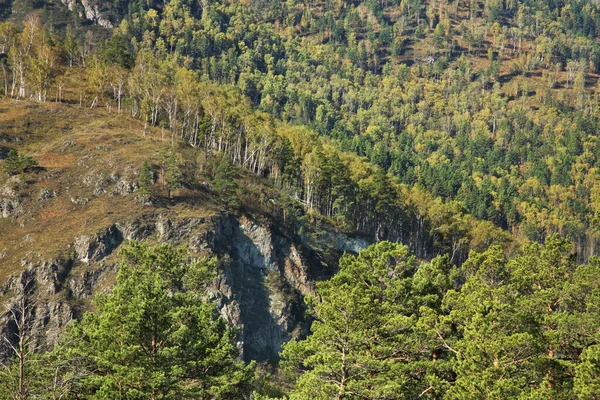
16,163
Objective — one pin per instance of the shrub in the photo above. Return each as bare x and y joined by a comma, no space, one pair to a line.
16,163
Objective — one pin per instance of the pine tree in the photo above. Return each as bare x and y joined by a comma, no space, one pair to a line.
519,327
365,341
11,163
146,178
16,163
155,337
171,171
587,380
224,183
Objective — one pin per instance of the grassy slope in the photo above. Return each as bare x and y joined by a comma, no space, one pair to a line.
72,145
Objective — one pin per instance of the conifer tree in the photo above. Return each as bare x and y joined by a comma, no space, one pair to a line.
155,337
365,341
171,170
16,163
224,182
146,178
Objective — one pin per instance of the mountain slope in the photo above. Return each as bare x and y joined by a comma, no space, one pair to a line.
445,126
63,223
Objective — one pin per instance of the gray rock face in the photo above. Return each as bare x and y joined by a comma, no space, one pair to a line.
137,229
265,280
94,248
45,314
69,3
93,14
79,201
113,184
9,207
124,187
260,287
51,291
254,245
343,243
46,194
90,11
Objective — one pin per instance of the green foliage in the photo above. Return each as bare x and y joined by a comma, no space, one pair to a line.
521,323
224,182
258,396
466,133
366,341
116,52
587,380
146,178
172,176
524,327
155,337
455,123
39,373
16,163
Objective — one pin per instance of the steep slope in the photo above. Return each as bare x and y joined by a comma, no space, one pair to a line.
490,106
63,223
446,126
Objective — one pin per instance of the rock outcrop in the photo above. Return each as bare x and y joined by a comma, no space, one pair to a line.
90,10
95,248
10,206
260,287
265,279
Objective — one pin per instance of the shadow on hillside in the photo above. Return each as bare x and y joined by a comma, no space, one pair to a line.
5,9
246,274
503,79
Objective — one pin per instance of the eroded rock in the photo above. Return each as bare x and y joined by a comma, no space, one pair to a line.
260,286
95,247
9,207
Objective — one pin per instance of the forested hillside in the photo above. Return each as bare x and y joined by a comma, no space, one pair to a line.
488,106
466,131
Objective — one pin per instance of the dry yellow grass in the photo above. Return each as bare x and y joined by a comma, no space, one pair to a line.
55,160
69,144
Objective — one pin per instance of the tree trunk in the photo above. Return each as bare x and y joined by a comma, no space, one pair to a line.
344,377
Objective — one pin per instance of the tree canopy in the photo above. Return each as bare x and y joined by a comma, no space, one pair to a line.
155,336
387,328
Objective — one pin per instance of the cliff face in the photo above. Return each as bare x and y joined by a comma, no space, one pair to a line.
259,288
